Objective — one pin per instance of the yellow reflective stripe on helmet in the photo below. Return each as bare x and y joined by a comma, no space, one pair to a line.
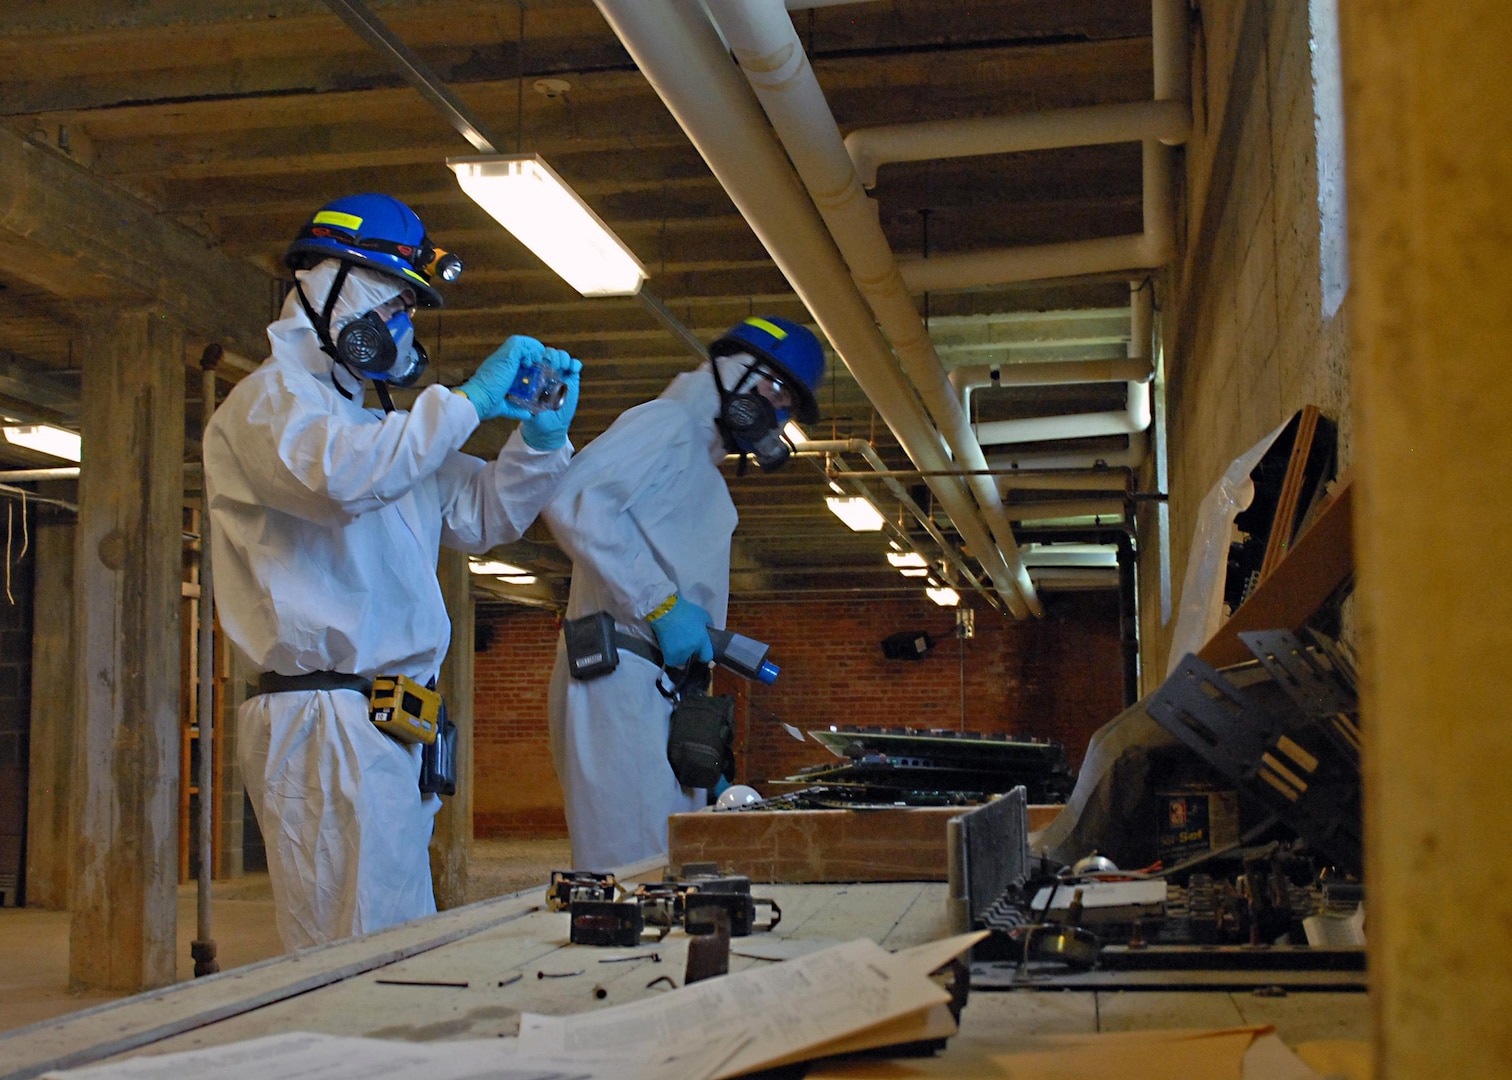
761,324
336,217
410,273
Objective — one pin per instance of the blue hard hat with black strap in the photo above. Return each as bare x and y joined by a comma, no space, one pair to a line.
790,349
382,234
379,232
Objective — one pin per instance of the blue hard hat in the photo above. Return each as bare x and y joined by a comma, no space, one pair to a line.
379,232
791,349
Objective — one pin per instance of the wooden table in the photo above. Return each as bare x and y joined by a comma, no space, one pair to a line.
376,986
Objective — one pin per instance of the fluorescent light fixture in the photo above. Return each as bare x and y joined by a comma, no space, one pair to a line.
913,571
519,579
523,194
46,439
497,569
944,597
906,558
795,434
856,512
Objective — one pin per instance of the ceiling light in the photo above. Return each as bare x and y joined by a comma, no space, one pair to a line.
497,569
913,571
906,558
46,439
794,433
519,579
944,597
856,512
523,194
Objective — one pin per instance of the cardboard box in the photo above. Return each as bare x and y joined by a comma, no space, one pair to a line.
796,846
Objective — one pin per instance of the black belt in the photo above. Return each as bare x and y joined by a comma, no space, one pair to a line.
639,646
271,682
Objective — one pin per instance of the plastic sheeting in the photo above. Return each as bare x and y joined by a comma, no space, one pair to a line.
1201,610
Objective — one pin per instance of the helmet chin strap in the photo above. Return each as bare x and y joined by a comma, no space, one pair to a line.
731,444
322,325
739,414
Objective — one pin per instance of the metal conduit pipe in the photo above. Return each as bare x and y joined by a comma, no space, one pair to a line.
1087,125
761,35
952,555
681,55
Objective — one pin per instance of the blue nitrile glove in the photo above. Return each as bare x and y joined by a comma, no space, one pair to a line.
494,377
682,633
547,429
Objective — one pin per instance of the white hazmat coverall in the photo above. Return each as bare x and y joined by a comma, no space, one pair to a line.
327,519
644,512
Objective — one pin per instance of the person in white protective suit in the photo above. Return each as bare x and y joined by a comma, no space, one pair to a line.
647,519
326,522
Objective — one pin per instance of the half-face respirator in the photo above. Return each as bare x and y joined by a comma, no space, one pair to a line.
750,423
383,349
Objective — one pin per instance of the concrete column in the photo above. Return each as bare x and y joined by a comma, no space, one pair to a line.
49,826
126,615
451,844
1428,108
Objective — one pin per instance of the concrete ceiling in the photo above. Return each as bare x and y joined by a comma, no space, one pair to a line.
165,152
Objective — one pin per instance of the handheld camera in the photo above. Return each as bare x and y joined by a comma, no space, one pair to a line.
538,387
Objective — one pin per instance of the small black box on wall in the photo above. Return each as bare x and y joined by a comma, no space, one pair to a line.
907,645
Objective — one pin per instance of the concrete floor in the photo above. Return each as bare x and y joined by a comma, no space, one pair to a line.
34,942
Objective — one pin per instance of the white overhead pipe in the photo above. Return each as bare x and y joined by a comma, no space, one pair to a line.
969,377
1145,250
1171,46
1105,555
760,34
1165,120
1135,416
1087,125
1109,507
1130,457
681,55
1074,577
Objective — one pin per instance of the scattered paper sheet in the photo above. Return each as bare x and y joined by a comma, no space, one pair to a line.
851,996
786,1010
1336,930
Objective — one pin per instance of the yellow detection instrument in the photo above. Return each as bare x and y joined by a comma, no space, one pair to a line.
403,708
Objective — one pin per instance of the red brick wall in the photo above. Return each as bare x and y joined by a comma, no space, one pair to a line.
1056,678
515,790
